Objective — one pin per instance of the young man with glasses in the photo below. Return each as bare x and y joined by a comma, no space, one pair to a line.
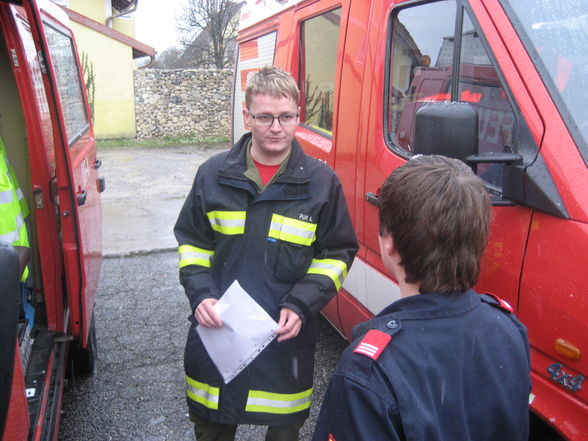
275,219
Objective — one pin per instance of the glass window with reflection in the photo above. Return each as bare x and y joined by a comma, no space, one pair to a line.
420,65
421,71
318,66
68,82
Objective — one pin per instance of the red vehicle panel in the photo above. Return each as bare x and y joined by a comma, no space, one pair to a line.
366,68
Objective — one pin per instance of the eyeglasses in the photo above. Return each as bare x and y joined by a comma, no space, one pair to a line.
265,119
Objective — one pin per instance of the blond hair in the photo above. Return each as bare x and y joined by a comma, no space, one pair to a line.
272,81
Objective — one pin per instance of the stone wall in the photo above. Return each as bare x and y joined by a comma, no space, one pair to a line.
183,102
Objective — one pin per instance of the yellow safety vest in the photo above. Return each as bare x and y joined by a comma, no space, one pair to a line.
13,229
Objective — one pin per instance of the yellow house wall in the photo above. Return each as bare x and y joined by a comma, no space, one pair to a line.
125,25
94,9
114,104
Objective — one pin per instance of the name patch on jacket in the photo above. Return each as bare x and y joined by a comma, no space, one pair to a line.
373,343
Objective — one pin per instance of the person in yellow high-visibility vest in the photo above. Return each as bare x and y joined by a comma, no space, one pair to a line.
13,207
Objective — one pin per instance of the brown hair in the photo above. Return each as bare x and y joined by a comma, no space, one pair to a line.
438,213
272,81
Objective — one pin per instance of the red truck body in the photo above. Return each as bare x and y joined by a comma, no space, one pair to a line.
370,65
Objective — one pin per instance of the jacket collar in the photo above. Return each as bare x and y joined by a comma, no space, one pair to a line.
426,306
236,163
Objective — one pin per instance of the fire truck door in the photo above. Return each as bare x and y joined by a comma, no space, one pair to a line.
421,62
78,184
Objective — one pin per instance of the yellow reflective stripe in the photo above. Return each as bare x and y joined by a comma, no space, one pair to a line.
227,222
260,401
292,230
336,270
202,393
190,255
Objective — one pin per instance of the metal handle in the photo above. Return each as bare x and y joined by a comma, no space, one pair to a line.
82,197
372,198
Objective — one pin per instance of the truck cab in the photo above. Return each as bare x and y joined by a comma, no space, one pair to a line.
499,84
46,131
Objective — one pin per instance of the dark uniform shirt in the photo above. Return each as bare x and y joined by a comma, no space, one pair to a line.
432,367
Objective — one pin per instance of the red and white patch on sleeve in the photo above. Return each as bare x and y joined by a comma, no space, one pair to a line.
373,343
331,438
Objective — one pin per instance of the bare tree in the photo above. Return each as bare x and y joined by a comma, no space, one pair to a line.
208,29
171,58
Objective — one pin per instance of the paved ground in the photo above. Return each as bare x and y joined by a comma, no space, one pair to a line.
141,310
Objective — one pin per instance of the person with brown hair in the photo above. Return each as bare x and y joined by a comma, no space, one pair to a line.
274,219
442,362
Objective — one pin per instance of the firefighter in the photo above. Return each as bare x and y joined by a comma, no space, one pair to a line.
275,219
13,207
442,362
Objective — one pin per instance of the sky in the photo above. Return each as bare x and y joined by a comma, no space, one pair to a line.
156,24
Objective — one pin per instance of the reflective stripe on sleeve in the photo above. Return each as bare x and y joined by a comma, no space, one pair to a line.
12,237
268,402
334,269
292,230
9,237
190,255
227,222
202,393
6,197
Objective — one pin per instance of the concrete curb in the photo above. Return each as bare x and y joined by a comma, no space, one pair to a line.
133,253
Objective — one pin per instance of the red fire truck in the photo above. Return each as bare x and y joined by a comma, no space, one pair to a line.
46,317
377,75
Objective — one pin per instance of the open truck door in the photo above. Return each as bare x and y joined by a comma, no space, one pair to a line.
46,129
76,165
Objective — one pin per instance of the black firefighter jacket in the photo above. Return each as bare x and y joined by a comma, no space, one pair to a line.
288,246
432,367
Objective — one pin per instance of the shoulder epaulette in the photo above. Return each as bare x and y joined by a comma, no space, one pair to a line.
496,301
373,343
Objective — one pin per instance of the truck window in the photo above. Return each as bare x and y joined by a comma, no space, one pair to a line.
480,85
420,65
68,82
554,33
318,63
420,71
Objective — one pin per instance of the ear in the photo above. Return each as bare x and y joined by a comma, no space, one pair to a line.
246,118
387,244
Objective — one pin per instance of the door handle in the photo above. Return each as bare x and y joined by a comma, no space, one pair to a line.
372,198
98,163
101,184
82,197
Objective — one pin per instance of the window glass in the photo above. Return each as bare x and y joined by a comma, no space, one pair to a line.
68,82
420,69
318,65
421,72
480,85
557,34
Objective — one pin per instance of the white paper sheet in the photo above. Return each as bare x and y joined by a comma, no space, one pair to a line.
247,329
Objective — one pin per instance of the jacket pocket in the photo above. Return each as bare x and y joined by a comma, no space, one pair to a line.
293,240
292,261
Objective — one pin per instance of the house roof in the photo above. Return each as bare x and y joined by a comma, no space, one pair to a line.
139,49
122,5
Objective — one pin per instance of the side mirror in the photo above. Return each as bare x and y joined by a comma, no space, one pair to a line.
446,128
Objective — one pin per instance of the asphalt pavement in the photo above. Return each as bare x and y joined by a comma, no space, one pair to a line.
141,311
